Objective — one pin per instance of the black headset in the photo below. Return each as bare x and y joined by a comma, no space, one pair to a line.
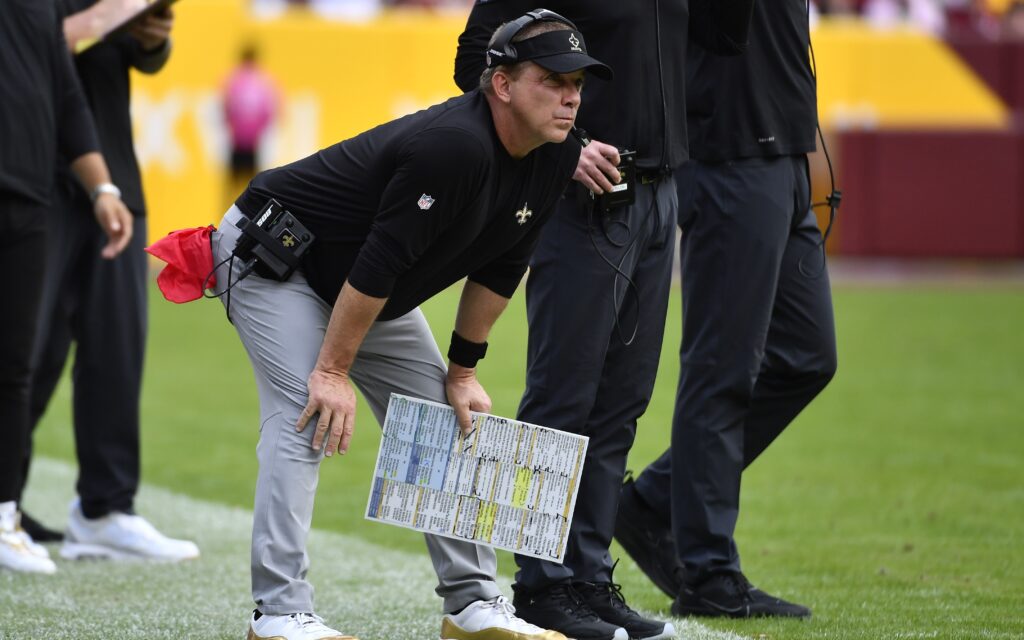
503,51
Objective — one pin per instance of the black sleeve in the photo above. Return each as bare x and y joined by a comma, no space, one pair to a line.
721,26
439,174
148,62
76,132
485,17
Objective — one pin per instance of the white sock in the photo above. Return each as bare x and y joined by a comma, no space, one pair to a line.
8,515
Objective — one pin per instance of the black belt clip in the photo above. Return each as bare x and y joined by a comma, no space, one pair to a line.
273,243
651,176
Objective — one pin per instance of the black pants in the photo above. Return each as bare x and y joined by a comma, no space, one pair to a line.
100,305
758,343
23,227
580,376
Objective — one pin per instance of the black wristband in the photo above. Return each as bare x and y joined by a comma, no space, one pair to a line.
465,353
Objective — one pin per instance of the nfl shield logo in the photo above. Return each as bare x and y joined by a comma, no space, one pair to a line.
425,202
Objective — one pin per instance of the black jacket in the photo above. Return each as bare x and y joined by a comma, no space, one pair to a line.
408,208
761,103
104,72
41,104
645,44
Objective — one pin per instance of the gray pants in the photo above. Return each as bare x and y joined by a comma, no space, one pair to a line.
282,326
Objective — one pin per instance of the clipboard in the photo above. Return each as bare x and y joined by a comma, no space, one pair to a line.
122,22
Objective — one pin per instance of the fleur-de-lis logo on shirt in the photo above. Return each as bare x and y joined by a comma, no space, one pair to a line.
523,214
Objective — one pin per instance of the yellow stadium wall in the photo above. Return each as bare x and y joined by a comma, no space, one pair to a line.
338,79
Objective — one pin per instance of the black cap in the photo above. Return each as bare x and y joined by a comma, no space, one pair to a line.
562,51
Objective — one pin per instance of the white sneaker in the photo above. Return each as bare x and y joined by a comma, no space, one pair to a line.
495,620
297,626
120,536
34,547
17,550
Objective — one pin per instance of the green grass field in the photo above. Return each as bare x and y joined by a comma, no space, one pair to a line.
894,506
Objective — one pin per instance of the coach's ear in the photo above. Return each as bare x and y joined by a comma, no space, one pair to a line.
501,83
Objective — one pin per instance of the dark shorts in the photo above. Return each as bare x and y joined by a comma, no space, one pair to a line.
243,161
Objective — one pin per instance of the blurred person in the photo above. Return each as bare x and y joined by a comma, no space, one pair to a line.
250,105
431,4
598,288
346,9
758,333
42,113
1013,22
336,9
834,8
398,214
926,15
100,305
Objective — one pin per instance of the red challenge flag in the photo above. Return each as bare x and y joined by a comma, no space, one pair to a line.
189,259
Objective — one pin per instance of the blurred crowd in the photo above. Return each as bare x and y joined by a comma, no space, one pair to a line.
988,18
356,9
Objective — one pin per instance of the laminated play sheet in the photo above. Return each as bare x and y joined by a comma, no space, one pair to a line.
508,484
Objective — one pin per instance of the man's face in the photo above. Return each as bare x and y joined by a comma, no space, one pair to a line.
545,102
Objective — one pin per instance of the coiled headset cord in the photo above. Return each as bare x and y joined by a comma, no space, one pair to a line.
246,270
632,239
630,244
835,196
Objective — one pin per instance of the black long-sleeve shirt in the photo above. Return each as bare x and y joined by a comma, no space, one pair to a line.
410,207
761,103
104,72
645,44
42,108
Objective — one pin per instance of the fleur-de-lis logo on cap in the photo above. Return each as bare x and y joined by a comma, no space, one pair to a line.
575,42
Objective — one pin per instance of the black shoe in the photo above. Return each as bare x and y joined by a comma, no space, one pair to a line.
560,608
730,594
605,599
38,531
647,538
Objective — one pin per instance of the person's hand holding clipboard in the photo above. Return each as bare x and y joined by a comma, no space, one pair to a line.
152,25
148,21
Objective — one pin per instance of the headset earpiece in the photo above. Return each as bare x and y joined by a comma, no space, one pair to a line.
503,51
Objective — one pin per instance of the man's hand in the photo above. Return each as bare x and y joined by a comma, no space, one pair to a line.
465,394
331,395
153,30
597,169
116,221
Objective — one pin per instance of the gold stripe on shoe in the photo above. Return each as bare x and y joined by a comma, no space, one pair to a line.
452,631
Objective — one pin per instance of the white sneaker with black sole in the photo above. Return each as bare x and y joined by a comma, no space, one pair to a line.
120,536
492,620
295,626
17,550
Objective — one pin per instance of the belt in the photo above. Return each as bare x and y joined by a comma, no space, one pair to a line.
651,176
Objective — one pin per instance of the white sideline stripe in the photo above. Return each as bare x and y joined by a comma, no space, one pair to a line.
362,588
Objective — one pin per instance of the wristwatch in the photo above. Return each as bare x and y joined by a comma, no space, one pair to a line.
105,187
